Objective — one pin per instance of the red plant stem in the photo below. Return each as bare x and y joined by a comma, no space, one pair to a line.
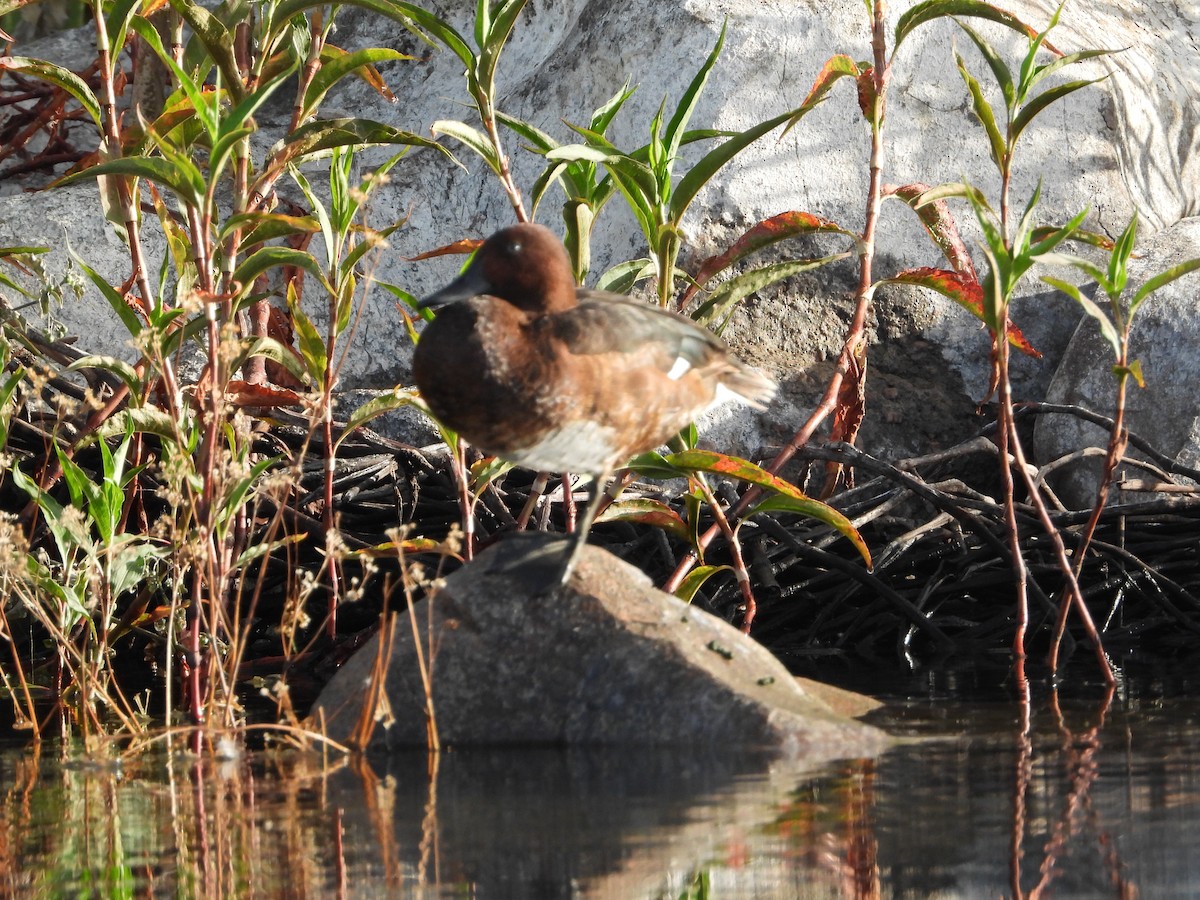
855,335
1117,440
735,550
1008,442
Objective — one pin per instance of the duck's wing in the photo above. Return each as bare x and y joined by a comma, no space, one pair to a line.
605,323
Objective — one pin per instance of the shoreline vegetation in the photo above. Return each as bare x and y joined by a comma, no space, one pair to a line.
176,546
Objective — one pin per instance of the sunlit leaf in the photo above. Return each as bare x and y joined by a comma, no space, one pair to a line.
694,580
837,67
397,398
1044,99
59,76
931,10
939,222
647,511
1161,279
963,290
743,470
266,258
1107,329
472,138
337,63
983,112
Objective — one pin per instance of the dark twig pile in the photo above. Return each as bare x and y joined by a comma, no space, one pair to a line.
941,585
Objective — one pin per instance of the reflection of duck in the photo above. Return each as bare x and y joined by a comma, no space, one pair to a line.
526,366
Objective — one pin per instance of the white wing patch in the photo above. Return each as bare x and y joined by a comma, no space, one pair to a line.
681,368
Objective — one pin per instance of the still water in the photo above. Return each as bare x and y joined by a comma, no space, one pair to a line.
984,799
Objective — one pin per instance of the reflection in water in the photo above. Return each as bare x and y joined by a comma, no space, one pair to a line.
1025,800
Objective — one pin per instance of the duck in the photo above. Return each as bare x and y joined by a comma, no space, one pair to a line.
525,365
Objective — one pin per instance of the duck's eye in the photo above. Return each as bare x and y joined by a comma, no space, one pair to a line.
514,248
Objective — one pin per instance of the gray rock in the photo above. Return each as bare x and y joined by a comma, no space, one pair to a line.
1128,143
1166,333
606,660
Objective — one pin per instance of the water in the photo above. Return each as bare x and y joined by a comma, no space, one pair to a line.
985,799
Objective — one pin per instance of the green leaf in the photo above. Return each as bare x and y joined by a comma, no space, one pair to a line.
61,77
1160,280
999,70
715,311
1118,258
983,112
260,227
308,340
694,580
341,64
931,10
118,367
687,103
116,23
269,348
622,277
1054,65
416,20
142,420
377,406
267,258
492,31
130,319
185,182
321,135
708,166
472,137
1044,99
1107,329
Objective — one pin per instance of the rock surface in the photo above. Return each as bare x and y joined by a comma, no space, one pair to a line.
607,660
1128,143
1165,335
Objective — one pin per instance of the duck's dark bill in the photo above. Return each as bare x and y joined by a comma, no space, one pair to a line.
470,283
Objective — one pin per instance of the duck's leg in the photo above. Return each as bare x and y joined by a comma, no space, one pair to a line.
540,562
584,524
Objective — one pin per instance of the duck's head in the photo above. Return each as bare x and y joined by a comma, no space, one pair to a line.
525,265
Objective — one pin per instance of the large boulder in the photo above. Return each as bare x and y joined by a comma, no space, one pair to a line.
606,660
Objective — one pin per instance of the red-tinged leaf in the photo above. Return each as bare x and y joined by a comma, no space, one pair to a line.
837,67
646,511
865,84
939,223
719,464
243,393
848,415
767,232
964,291
466,245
